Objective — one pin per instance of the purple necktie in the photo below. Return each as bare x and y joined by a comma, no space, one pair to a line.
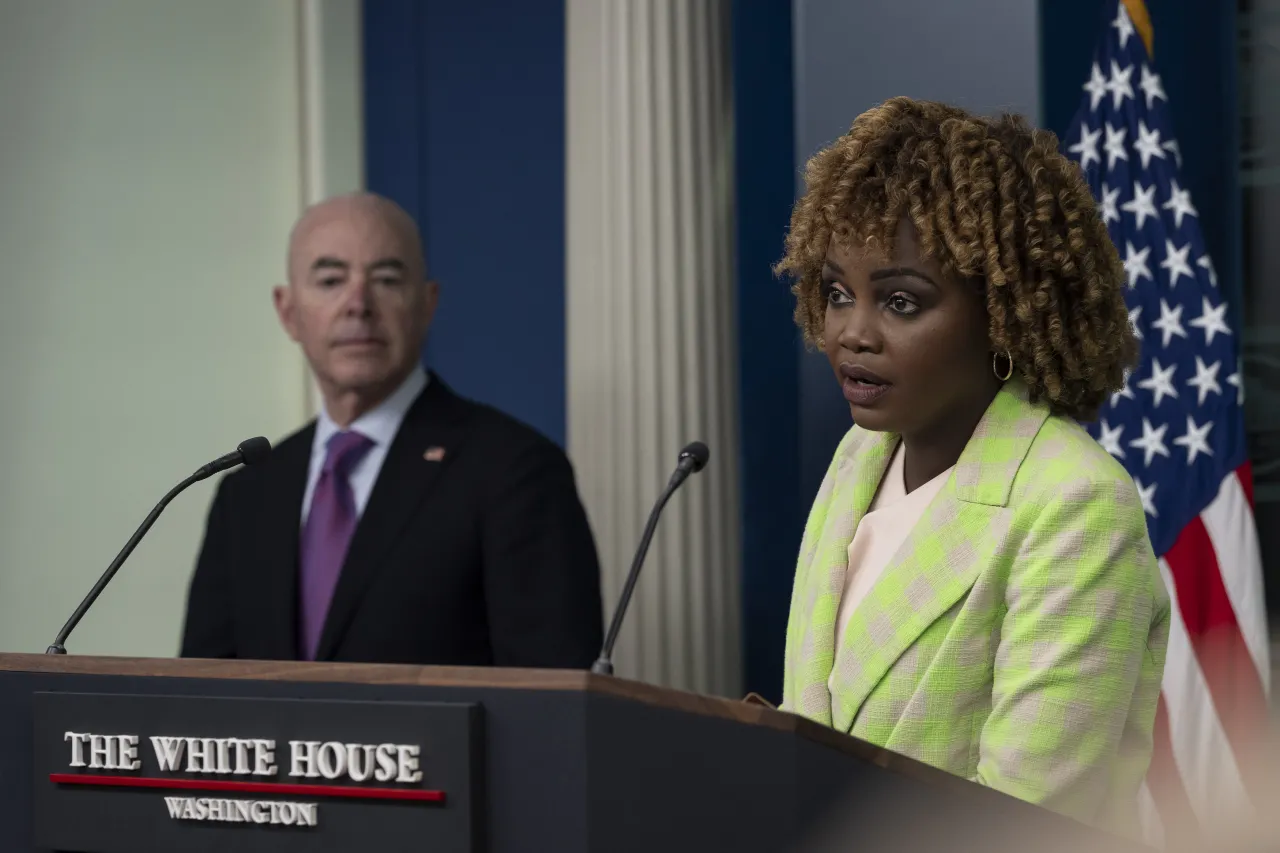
326,535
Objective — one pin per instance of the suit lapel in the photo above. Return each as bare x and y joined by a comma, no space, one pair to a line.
942,556
279,520
936,565
411,467
854,483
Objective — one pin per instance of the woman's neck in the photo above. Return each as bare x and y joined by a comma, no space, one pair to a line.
931,452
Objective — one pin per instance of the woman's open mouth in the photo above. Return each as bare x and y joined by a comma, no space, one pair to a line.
861,386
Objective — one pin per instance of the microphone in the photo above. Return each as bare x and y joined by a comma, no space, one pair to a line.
693,458
249,452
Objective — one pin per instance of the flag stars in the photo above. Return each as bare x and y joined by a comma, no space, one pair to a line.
1110,204
1114,145
1110,439
1151,86
1206,264
1180,203
1151,443
1148,144
1119,84
1125,391
1143,204
1160,383
1196,440
1096,87
1087,147
1211,320
1206,379
1175,261
1170,323
1124,26
1147,494
1235,379
1135,263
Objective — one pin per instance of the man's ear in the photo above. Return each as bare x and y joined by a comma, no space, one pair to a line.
430,302
282,296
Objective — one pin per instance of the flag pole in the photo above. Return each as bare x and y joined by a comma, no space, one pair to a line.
1137,10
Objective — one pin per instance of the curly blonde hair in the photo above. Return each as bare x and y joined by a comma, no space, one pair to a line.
994,201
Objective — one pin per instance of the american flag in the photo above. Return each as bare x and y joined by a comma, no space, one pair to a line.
1178,427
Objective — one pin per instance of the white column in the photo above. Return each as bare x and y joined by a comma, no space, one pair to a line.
651,322
330,74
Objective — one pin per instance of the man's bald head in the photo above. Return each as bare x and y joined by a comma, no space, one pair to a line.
361,210
357,299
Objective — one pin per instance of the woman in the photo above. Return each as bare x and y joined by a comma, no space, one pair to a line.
976,587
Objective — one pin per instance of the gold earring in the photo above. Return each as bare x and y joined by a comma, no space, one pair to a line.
995,358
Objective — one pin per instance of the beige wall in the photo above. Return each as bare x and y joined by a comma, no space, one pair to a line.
153,155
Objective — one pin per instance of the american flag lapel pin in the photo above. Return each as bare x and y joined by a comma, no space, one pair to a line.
434,454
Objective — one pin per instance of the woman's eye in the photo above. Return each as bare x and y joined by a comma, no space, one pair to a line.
900,304
836,296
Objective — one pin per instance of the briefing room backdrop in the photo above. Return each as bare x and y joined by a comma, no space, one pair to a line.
602,186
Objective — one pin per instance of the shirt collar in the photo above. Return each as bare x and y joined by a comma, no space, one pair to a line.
382,421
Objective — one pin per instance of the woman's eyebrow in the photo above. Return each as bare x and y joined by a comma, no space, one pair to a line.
897,272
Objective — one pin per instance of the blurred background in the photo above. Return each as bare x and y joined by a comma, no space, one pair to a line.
602,186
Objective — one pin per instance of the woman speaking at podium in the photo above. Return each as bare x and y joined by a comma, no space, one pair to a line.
976,588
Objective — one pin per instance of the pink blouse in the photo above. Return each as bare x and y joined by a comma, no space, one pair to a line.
879,535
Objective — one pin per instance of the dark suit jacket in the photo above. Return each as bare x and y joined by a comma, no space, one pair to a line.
484,557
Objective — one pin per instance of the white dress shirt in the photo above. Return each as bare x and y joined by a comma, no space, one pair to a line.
379,424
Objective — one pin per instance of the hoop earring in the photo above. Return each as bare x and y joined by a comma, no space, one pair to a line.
995,358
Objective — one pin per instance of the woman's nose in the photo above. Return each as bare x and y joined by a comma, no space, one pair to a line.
860,331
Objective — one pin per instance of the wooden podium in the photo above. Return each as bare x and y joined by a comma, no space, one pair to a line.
117,755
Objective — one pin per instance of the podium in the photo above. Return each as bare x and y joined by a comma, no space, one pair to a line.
119,755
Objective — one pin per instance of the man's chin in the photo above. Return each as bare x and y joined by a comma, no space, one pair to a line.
363,379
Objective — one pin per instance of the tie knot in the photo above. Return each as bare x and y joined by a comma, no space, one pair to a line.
345,450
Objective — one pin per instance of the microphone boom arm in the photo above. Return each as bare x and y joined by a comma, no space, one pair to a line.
58,647
693,458
249,452
604,664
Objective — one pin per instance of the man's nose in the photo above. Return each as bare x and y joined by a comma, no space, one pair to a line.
358,296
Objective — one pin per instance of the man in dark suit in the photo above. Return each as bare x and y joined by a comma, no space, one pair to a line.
405,524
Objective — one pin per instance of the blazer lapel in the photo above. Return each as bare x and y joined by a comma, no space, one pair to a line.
854,483
943,555
934,567
426,442
279,526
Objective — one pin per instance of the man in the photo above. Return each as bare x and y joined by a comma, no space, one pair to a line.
405,524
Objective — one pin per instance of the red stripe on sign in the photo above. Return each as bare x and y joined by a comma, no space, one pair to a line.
1164,781
1245,474
343,791
1229,672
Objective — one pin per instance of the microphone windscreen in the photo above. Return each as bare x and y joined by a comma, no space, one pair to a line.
254,449
698,453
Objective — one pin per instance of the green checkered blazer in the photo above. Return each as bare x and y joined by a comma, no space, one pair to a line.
1018,636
